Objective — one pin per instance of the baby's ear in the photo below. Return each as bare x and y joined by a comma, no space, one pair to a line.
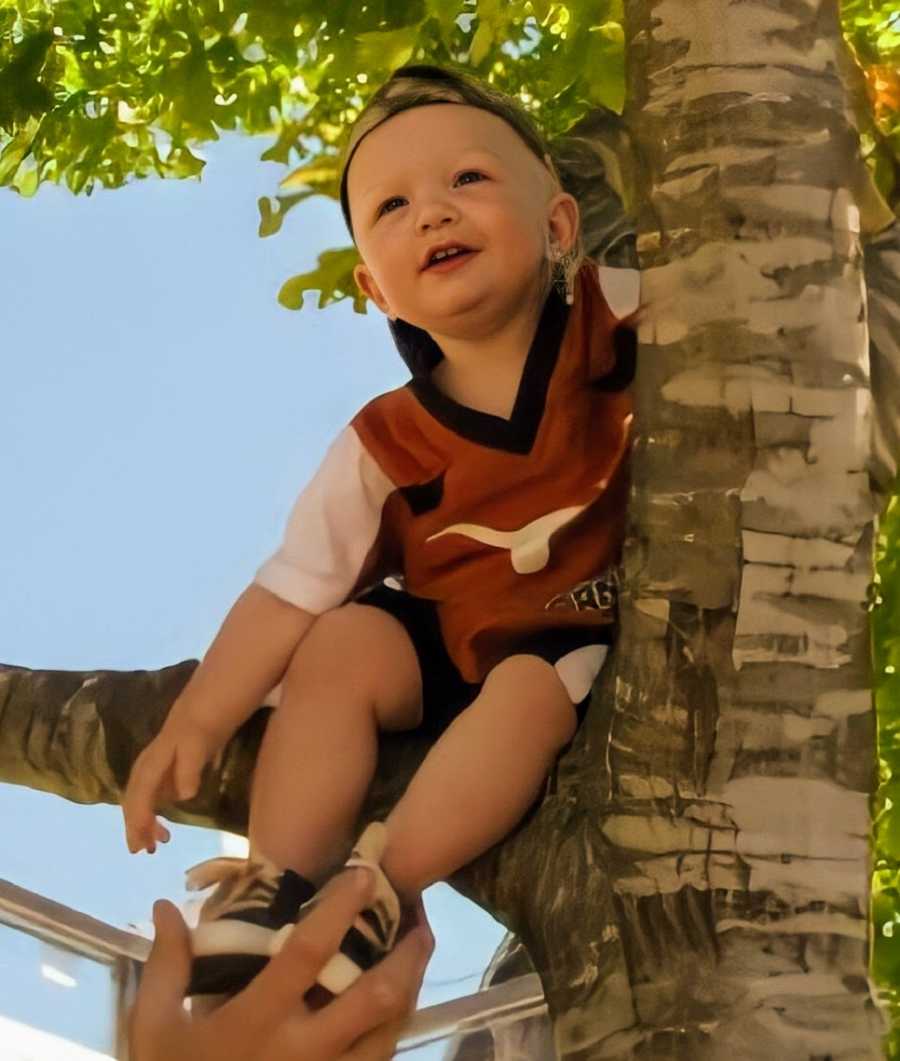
565,215
359,275
366,284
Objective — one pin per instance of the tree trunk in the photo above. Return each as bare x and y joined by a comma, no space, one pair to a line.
740,752
708,891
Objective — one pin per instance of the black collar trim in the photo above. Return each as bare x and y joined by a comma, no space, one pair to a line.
517,434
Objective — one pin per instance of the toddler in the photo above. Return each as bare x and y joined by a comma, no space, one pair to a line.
449,566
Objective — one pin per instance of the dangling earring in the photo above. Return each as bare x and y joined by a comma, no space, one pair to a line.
563,270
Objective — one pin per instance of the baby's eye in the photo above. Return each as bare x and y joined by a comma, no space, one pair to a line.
387,203
386,206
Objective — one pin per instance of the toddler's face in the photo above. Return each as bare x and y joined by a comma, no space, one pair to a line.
448,173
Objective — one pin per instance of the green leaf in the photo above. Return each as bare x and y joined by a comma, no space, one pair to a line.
271,220
446,12
26,180
385,51
12,154
481,43
490,11
322,171
542,10
886,951
333,279
888,836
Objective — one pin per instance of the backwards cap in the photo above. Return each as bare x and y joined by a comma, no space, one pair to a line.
416,86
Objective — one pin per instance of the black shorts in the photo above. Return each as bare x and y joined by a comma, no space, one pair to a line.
445,693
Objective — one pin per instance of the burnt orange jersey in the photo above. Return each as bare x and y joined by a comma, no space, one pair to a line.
498,521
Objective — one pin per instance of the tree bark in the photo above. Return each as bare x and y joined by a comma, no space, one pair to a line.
731,784
707,894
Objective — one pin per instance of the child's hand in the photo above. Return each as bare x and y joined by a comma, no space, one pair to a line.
168,769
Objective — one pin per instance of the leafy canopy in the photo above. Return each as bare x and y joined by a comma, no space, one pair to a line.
106,91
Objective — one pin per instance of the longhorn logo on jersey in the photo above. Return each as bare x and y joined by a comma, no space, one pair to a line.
529,546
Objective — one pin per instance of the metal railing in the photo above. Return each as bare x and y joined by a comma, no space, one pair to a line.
125,952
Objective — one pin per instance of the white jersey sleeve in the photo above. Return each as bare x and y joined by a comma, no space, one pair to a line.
332,529
621,288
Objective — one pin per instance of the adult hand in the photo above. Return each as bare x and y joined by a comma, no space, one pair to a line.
268,1020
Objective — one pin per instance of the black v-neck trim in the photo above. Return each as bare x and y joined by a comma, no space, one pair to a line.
517,434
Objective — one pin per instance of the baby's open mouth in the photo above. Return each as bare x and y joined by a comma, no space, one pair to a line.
449,258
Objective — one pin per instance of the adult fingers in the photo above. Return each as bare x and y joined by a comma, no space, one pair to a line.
420,919
278,990
364,1023
379,1044
165,975
170,957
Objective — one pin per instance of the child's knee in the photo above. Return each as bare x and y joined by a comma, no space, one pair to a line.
364,652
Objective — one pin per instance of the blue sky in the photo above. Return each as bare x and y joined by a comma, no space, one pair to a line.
161,410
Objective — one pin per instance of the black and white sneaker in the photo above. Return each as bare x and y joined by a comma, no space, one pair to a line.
255,907
243,923
374,932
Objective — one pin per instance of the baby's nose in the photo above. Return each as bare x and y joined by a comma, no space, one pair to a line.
435,212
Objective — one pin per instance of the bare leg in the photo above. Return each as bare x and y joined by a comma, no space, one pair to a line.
481,776
353,673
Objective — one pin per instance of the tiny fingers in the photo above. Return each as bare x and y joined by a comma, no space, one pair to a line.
189,763
139,801
135,833
140,829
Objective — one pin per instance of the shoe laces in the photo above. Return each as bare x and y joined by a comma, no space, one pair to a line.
241,884
382,915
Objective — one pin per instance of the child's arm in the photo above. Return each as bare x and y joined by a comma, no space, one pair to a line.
331,546
246,660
